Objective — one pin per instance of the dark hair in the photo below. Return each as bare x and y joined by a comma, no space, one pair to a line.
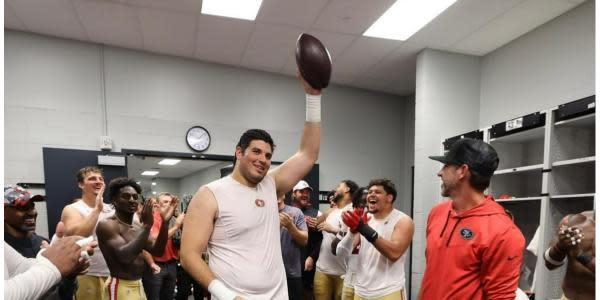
359,197
117,184
387,185
477,181
85,170
251,135
352,186
330,195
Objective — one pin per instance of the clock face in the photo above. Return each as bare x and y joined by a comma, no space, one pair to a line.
198,138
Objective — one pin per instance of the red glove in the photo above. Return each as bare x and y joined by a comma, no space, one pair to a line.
354,218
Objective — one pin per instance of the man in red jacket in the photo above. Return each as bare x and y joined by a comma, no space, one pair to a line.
474,250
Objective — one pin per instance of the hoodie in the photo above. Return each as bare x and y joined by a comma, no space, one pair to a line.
473,255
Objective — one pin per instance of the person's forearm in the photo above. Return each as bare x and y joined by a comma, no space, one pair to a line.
588,261
299,237
172,231
311,141
85,227
197,268
148,257
390,250
344,247
32,283
131,250
158,249
554,257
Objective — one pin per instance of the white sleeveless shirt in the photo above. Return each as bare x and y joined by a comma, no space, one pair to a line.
376,275
245,247
328,263
98,265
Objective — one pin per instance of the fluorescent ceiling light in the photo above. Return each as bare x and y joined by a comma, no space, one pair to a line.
169,161
239,9
405,17
149,173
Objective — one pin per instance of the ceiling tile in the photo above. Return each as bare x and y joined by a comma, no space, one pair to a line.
521,19
459,21
398,64
290,12
111,23
222,40
270,47
11,20
51,17
188,6
168,32
351,16
363,54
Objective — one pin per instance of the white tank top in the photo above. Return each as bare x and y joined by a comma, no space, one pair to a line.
376,275
328,263
98,265
245,247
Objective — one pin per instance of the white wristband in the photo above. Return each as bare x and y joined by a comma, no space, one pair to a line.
313,108
219,291
551,260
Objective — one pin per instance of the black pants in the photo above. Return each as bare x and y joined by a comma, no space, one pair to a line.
295,289
160,286
184,284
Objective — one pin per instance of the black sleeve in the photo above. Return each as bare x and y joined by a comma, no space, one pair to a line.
315,244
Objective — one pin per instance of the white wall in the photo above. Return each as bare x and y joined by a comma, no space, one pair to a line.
53,97
455,94
447,104
189,184
551,65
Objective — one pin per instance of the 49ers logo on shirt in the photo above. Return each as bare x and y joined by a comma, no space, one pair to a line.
259,202
466,233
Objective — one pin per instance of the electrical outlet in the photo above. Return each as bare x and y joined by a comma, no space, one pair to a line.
105,142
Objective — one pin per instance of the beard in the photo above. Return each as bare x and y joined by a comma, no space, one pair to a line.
252,178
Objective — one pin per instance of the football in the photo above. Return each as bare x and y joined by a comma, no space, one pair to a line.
313,61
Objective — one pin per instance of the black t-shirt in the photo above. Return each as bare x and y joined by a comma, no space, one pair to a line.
27,246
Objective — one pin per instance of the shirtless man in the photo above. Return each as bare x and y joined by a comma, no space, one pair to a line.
576,241
80,218
237,216
122,241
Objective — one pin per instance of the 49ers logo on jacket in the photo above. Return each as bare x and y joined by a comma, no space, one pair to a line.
466,233
259,202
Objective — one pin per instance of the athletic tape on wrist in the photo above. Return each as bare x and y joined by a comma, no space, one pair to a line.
313,108
551,260
220,291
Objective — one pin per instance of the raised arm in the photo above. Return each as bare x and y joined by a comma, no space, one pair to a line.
297,166
76,224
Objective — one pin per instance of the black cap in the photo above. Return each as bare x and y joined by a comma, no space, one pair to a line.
477,154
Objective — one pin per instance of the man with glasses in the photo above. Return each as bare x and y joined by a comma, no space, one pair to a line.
122,241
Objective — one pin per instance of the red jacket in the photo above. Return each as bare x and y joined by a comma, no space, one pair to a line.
171,252
474,255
